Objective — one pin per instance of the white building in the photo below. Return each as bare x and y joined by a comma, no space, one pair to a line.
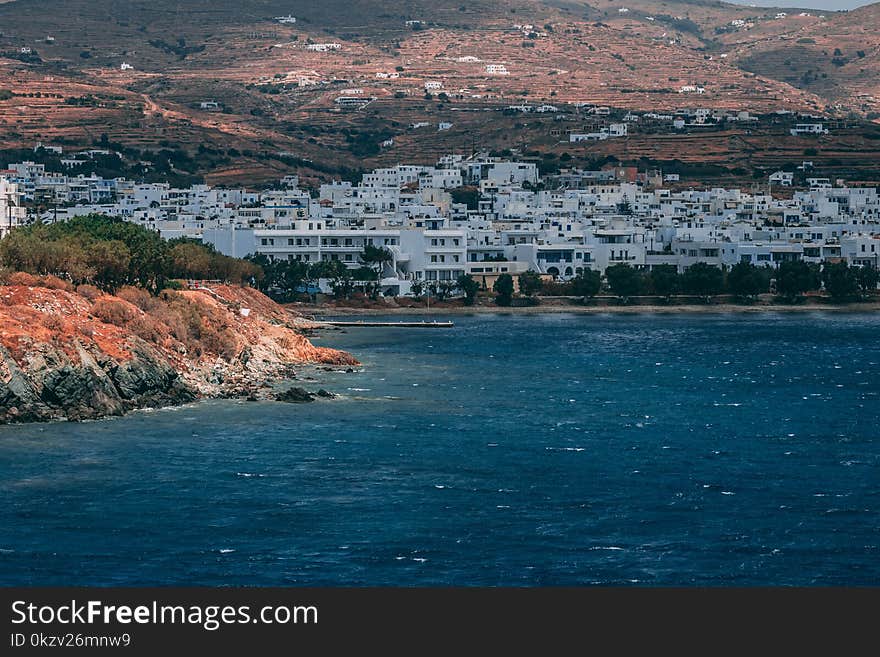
783,178
496,69
613,131
323,47
12,212
578,220
809,129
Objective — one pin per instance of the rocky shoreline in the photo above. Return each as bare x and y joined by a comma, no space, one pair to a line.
64,356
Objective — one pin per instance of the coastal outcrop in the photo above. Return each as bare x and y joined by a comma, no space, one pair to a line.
295,395
81,354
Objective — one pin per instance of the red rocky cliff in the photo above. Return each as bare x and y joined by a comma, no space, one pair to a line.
80,354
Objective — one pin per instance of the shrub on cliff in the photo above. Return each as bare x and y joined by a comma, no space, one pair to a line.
22,278
55,283
53,322
113,311
146,328
219,341
89,292
138,297
29,280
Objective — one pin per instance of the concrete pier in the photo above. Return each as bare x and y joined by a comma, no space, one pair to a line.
393,324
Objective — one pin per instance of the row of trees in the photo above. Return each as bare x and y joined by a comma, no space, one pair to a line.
285,280
110,253
744,280
585,284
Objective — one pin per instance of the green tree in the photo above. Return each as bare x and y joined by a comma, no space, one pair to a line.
586,284
150,263
623,280
293,275
469,286
867,278
417,288
470,196
375,257
270,271
703,280
190,260
341,278
110,260
442,289
503,289
529,283
109,252
446,289
840,280
746,281
665,280
794,278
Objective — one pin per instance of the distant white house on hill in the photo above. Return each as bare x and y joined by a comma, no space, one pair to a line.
783,178
809,129
613,131
323,47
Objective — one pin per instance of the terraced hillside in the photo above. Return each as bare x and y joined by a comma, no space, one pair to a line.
232,79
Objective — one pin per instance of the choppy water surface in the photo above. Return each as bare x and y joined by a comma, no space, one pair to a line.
510,450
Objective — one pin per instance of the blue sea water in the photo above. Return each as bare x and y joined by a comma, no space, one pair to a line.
509,450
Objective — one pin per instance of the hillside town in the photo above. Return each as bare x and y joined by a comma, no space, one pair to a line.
481,216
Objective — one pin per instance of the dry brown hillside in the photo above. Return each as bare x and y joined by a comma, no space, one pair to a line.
276,95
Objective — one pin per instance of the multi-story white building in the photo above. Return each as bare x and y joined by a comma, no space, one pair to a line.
12,212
